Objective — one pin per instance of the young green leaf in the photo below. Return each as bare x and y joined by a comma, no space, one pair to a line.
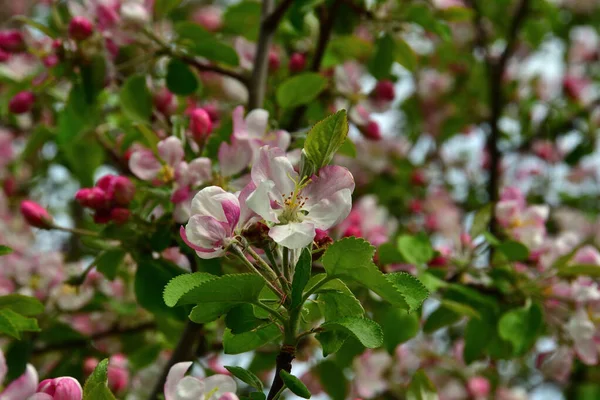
421,388
521,327
24,305
235,288
136,100
108,262
245,376
398,327
415,249
332,379
180,78
514,251
208,312
481,221
368,332
295,385
301,277
151,278
95,387
182,284
300,89
248,341
325,138
381,64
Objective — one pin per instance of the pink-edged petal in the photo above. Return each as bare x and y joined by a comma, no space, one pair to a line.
246,214
273,165
171,150
62,388
331,179
234,157
199,171
40,396
237,119
229,396
176,373
330,211
190,388
259,201
22,387
231,210
282,139
587,351
208,202
206,233
295,235
256,123
221,384
3,367
144,164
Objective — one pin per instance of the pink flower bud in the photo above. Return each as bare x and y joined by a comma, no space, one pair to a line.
120,215
63,388
415,206
36,215
209,17
228,396
438,261
479,386
94,198
51,60
89,365
274,60
122,190
200,124
106,182
431,222
102,216
465,239
164,101
352,231
180,195
118,374
80,28
418,178
22,102
12,41
371,131
4,56
297,62
384,90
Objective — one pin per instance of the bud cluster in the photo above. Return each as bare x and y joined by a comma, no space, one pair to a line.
109,199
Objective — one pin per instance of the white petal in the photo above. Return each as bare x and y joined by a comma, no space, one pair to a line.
208,202
205,232
171,150
223,384
256,123
259,201
234,157
3,367
295,235
176,373
199,171
144,165
190,388
273,165
330,211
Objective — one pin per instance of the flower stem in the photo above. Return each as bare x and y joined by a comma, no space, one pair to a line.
75,231
240,254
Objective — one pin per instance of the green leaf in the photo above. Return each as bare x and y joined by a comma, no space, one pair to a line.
243,19
347,47
332,341
405,55
348,149
351,258
332,379
242,318
421,388
93,78
182,284
144,355
248,341
135,98
415,249
24,305
325,138
368,332
440,318
295,385
521,327
460,308
398,327
481,221
208,312
109,261
478,335
151,278
96,385
246,376
180,78
569,271
164,7
204,44
19,322
380,64
300,89
235,288
335,306
514,251
7,327
457,13
301,277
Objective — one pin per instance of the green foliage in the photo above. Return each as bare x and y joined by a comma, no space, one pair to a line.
24,305
135,99
521,327
421,388
300,89
238,288
295,385
514,251
351,258
246,376
415,249
368,332
398,327
109,261
164,7
180,78
151,278
96,385
301,277
182,284
381,63
203,44
332,379
481,221
325,138
243,19
251,340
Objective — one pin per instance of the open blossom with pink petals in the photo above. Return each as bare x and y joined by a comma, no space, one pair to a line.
181,387
525,223
583,332
294,209
370,221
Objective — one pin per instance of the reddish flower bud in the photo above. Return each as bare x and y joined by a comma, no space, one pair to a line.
297,62
466,240
384,90
120,215
209,17
371,131
102,216
322,242
164,101
118,374
51,60
65,387
418,177
106,182
12,41
122,190
89,365
274,60
94,198
22,102
200,124
4,56
352,231
80,28
36,215
479,387
438,261
415,206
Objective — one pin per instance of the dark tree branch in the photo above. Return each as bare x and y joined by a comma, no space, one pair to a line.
283,363
272,21
327,19
201,66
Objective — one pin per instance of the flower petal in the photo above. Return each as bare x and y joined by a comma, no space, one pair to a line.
208,202
205,233
234,157
330,211
246,214
176,373
256,123
144,165
295,235
273,165
331,179
259,201
3,367
171,150
22,387
223,384
190,388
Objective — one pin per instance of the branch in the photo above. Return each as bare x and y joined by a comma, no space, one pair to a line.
183,352
200,66
283,363
272,21
98,336
324,36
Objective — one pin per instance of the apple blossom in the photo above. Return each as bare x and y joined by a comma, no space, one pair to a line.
181,387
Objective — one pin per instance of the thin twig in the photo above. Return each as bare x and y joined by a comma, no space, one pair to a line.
201,66
260,71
